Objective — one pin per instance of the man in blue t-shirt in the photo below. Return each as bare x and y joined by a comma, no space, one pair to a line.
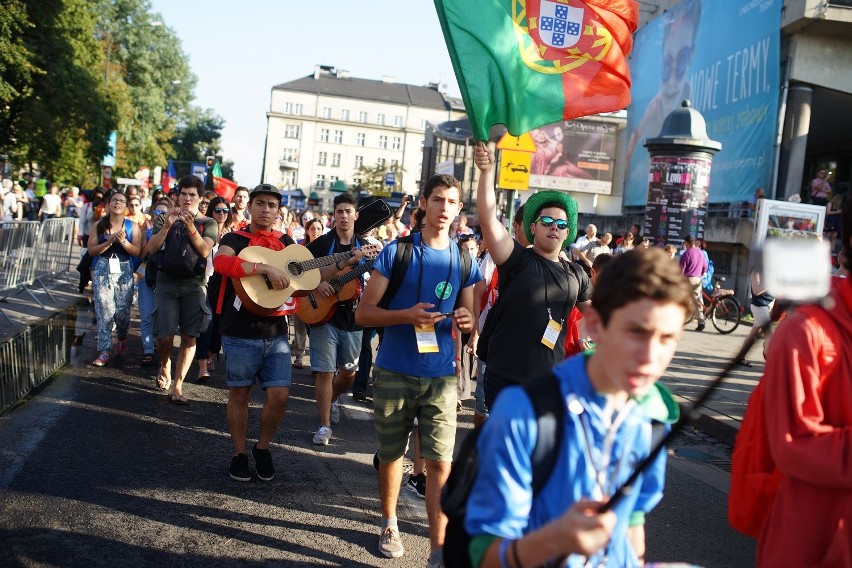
414,376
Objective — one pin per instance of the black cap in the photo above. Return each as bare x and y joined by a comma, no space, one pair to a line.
265,188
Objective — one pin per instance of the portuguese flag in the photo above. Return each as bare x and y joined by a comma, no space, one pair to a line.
526,63
222,185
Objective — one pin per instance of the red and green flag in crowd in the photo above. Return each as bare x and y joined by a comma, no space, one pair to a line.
526,63
222,186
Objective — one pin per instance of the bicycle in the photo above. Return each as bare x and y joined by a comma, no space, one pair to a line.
721,307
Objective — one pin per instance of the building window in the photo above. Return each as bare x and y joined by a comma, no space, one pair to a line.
359,162
362,117
326,112
292,131
289,155
288,178
324,135
394,164
338,137
356,182
360,139
383,141
322,158
335,160
423,124
380,119
332,179
381,162
344,114
297,108
320,181
397,142
288,108
397,121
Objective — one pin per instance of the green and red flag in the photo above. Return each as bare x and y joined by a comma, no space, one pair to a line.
221,185
526,63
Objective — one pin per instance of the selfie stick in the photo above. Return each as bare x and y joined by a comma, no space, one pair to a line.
690,416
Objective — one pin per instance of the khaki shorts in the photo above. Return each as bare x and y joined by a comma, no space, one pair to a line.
399,399
180,308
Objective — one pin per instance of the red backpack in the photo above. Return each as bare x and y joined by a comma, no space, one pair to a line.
754,477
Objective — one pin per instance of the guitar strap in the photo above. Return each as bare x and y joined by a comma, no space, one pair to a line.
357,243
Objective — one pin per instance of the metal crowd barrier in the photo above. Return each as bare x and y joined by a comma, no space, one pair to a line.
31,253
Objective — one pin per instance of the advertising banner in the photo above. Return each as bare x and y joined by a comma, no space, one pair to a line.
724,56
574,155
677,199
782,219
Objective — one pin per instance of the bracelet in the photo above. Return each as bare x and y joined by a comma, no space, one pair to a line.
503,547
254,270
192,234
515,556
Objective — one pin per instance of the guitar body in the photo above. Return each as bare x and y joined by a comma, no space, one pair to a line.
316,310
255,292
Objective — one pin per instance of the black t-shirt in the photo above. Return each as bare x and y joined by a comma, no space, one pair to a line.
532,284
326,245
240,322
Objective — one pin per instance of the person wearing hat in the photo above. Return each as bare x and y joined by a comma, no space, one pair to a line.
256,347
537,288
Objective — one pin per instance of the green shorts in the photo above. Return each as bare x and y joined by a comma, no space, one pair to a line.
180,307
399,399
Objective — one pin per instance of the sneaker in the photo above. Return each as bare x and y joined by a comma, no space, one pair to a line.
417,484
121,347
323,436
102,360
239,470
334,415
390,544
263,463
439,563
360,396
700,326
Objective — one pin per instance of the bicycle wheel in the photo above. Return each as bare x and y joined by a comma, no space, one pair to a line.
725,314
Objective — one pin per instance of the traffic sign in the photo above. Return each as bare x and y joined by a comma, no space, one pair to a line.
390,178
514,170
522,143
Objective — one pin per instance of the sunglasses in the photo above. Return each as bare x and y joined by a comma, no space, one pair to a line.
679,66
221,210
157,212
469,237
546,221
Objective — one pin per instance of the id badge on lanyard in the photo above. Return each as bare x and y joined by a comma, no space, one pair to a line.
114,265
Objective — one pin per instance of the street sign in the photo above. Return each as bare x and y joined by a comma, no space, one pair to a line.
514,170
522,143
390,178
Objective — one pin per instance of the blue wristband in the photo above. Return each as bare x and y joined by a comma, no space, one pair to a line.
504,546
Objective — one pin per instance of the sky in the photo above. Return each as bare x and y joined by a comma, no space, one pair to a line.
240,50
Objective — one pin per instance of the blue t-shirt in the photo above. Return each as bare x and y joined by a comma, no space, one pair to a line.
427,273
501,502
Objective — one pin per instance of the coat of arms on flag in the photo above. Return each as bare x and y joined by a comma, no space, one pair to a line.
559,25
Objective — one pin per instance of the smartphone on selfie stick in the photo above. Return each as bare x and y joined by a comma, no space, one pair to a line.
796,271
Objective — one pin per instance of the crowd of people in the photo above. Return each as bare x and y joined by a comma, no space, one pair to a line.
452,306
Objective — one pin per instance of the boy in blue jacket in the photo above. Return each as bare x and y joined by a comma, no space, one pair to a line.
611,397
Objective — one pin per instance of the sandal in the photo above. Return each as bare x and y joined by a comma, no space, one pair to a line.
163,383
203,376
178,399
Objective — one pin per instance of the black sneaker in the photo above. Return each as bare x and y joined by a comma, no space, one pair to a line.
239,470
263,464
417,484
360,396
700,327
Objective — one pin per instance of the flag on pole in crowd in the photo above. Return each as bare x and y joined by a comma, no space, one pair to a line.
223,186
527,63
169,176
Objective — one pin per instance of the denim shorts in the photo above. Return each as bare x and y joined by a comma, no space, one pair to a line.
333,349
266,361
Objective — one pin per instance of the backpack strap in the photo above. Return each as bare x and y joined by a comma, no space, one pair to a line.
546,398
466,264
401,261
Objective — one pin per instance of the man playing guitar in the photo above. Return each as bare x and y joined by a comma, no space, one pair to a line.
256,347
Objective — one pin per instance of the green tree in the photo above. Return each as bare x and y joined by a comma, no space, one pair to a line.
373,177
16,67
198,135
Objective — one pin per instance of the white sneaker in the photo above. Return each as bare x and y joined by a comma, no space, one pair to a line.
323,436
334,415
390,544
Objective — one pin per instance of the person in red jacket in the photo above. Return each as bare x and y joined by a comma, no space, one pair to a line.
808,397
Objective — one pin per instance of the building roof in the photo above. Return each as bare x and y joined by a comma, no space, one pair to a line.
329,81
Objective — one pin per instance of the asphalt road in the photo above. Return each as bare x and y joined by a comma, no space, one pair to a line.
99,469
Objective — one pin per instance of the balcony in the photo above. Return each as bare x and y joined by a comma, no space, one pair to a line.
289,163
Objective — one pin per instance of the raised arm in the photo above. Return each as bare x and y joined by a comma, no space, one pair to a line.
500,243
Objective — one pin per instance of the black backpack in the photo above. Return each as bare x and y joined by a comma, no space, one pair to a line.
401,260
178,258
549,406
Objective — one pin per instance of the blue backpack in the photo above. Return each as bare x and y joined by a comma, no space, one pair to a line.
707,279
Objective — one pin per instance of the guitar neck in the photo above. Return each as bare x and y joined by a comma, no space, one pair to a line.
353,274
325,260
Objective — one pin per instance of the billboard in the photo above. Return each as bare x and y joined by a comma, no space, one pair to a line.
574,155
782,219
724,56
677,199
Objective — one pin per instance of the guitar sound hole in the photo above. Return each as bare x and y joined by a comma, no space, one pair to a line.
295,269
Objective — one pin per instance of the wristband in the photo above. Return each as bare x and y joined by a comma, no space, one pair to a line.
254,270
503,547
192,234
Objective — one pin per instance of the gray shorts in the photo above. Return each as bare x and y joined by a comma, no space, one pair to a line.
180,308
333,349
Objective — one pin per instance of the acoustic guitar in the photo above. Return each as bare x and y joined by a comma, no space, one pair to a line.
257,293
316,310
